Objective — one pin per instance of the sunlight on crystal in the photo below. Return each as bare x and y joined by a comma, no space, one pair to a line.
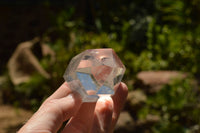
94,72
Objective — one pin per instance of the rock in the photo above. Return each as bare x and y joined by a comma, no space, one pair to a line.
153,81
135,101
136,97
125,123
158,77
25,61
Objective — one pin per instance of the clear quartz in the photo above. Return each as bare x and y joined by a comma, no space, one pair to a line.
94,72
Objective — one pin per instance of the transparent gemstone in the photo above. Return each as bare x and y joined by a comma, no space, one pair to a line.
94,72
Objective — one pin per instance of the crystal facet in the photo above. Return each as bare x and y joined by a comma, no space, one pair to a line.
94,72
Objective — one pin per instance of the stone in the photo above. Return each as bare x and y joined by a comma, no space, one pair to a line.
135,101
125,123
153,81
94,72
136,97
25,61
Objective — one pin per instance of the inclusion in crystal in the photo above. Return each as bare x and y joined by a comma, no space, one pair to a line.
94,72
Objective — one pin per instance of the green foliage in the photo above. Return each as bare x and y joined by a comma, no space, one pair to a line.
177,106
177,48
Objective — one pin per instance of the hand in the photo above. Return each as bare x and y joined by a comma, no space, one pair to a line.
96,117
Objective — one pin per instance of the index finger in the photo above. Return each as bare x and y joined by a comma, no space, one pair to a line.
61,92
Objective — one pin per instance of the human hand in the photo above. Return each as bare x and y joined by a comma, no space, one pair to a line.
64,104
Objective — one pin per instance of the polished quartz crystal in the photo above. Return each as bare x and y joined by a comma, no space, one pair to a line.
94,72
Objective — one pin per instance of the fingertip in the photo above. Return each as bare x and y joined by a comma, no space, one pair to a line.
121,91
123,85
123,88
119,99
103,114
105,102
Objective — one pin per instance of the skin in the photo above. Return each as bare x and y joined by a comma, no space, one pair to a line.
96,117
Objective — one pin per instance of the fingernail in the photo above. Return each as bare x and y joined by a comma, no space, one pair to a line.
106,102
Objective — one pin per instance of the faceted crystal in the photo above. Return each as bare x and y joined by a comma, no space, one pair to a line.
94,72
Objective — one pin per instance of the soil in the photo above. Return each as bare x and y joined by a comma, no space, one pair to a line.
11,119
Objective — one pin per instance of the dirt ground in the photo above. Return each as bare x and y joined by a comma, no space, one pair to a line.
11,119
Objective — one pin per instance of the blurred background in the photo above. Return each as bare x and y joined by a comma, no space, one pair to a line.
157,40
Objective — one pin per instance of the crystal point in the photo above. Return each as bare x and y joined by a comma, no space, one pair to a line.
94,72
